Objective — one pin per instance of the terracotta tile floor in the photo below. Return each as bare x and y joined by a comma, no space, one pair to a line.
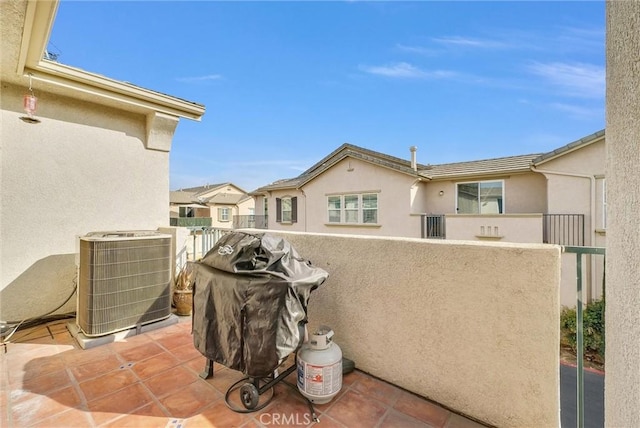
151,380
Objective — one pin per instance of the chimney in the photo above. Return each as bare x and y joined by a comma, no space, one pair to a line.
414,163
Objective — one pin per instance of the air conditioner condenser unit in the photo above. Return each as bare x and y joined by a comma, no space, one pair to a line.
124,280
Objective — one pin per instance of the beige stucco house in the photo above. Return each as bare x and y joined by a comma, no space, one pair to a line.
94,157
556,197
223,205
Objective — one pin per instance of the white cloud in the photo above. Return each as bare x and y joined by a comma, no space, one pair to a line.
470,42
196,79
416,49
405,70
579,111
575,79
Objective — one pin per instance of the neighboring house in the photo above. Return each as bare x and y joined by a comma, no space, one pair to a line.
222,205
94,157
556,197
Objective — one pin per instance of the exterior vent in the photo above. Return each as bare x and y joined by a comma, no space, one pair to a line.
124,280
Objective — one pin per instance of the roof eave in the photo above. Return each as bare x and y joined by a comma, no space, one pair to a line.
571,147
486,174
39,19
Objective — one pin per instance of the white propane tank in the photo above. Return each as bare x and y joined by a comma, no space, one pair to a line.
320,367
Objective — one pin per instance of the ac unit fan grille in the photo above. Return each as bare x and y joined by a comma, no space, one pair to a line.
123,283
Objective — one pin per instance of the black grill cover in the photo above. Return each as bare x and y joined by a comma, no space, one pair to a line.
250,301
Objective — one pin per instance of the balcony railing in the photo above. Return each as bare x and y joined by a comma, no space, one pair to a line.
580,251
190,221
563,229
250,221
433,226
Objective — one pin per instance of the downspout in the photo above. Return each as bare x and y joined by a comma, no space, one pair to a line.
592,215
305,209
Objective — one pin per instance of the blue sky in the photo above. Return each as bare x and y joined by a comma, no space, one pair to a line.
286,83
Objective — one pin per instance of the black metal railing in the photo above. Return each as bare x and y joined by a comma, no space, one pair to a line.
433,226
250,222
563,229
190,221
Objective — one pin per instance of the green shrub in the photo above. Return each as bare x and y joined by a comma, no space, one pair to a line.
593,329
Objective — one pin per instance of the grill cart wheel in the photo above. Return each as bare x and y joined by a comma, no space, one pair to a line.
249,396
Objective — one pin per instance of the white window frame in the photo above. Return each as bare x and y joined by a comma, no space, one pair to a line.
479,182
283,218
344,210
223,214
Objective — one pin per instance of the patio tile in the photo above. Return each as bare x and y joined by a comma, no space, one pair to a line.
377,389
140,352
190,400
198,365
175,339
421,409
107,384
394,419
35,368
120,402
79,356
38,407
224,378
288,412
328,422
170,381
41,385
95,368
151,380
355,409
217,415
186,352
149,416
66,419
155,365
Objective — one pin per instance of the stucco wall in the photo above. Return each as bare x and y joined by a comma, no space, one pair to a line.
499,227
622,394
473,326
524,193
83,168
356,176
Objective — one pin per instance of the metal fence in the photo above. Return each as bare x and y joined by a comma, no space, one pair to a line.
563,229
203,239
433,226
579,252
250,221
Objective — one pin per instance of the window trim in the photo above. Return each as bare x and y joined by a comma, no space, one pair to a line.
221,216
360,209
502,187
294,209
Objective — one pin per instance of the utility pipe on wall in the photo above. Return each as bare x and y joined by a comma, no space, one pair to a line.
592,214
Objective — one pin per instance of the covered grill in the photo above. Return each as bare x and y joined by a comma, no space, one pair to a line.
250,302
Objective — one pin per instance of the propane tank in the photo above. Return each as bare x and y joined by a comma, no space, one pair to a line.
320,367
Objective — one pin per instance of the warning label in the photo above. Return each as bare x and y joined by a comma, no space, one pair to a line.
319,380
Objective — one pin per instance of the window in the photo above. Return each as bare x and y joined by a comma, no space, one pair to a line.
287,210
223,214
187,212
481,197
353,209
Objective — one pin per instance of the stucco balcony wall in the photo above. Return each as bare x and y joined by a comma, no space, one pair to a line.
473,326
505,227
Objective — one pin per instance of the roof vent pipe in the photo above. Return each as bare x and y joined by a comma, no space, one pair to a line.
414,164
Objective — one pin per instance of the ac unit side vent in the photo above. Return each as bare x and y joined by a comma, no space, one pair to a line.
124,281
